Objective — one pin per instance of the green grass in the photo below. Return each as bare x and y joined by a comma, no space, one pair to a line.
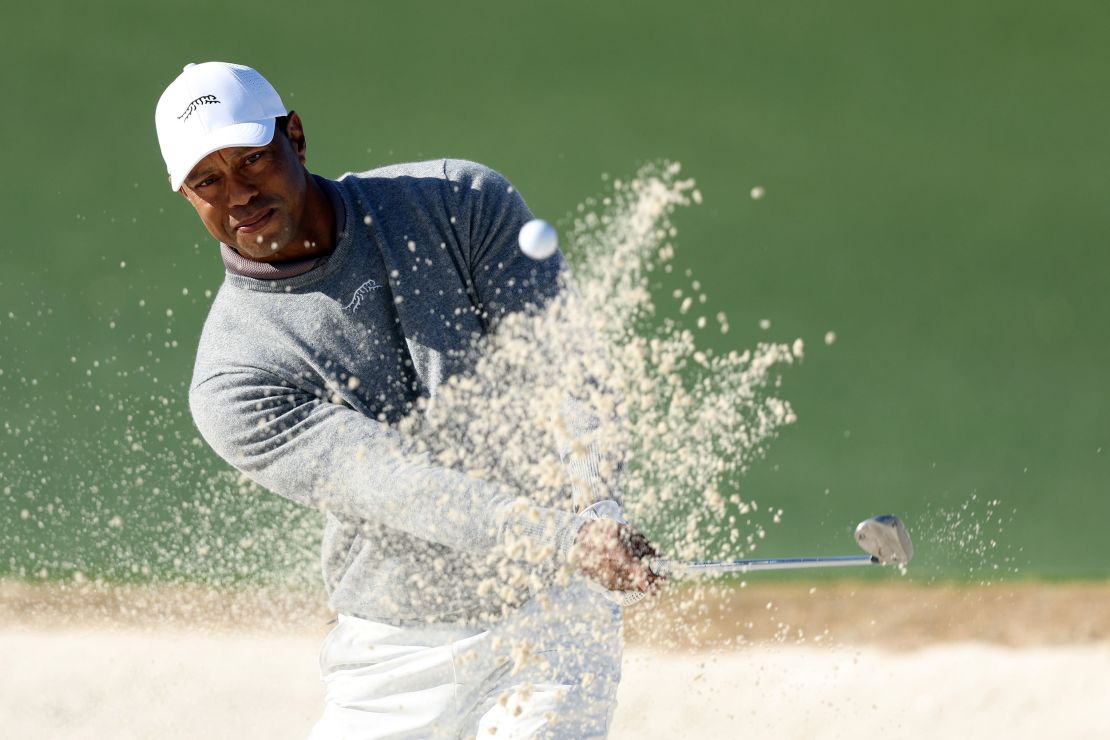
936,178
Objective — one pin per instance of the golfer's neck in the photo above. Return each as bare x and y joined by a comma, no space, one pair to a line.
319,223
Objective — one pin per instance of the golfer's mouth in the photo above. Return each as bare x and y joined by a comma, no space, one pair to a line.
255,223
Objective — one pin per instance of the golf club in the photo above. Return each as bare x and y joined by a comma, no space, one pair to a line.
884,538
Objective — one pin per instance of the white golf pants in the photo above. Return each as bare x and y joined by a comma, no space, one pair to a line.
549,670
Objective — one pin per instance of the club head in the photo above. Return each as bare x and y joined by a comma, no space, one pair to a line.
885,539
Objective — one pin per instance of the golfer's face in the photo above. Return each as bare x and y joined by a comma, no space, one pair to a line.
252,198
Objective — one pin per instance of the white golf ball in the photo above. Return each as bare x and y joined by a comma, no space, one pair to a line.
538,239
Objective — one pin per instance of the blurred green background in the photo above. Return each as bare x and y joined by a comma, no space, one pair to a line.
936,179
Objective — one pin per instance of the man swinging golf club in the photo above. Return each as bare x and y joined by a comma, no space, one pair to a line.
344,302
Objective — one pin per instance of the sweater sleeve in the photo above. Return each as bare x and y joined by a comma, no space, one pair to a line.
331,457
505,280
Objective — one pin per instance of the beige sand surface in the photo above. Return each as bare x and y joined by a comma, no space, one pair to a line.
129,678
957,690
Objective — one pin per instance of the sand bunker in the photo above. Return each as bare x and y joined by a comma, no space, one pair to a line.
1021,661
128,684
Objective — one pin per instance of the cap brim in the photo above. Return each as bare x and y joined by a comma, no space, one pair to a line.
250,133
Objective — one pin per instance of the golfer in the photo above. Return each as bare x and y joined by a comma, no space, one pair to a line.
345,302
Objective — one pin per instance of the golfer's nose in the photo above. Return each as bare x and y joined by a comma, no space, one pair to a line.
240,190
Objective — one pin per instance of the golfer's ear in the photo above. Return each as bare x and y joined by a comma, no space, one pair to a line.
294,130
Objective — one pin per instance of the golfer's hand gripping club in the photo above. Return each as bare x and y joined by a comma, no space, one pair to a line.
615,555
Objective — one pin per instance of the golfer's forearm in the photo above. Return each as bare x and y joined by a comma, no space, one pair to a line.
593,452
333,458
596,445
505,282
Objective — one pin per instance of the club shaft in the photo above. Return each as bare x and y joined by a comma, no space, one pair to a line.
718,567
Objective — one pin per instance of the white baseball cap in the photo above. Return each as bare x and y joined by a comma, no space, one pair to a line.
212,106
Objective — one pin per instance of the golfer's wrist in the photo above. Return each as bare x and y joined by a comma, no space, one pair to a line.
569,542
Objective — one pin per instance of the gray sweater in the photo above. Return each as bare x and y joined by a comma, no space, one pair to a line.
299,381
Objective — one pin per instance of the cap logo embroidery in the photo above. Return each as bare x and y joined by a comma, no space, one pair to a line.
202,100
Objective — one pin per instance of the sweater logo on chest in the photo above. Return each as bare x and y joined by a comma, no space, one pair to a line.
360,293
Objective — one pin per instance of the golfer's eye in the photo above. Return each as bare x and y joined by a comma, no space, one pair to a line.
205,182
252,158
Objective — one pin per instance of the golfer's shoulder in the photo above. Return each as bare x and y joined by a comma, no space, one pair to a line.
236,331
232,310
431,175
473,174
